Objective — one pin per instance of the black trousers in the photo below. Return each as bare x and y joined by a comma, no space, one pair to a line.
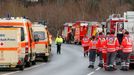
111,58
58,49
92,55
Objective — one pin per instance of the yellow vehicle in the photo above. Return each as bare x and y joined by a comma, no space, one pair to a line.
27,42
41,38
11,54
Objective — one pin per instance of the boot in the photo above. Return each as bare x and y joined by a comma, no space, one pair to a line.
114,68
111,68
123,68
84,55
126,68
100,65
87,53
107,68
91,66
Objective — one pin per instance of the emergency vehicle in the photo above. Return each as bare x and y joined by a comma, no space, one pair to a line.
80,30
66,33
26,44
129,26
93,28
11,53
41,38
114,23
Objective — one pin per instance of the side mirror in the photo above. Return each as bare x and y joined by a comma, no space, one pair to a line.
36,38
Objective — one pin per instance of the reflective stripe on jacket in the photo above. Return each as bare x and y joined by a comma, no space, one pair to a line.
93,44
111,43
127,44
101,43
85,41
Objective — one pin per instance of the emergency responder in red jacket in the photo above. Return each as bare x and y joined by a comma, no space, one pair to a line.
92,51
101,40
104,51
112,46
85,45
127,43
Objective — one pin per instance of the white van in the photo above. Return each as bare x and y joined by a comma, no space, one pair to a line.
41,41
11,54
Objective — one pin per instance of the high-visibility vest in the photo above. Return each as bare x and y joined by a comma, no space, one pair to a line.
58,40
85,41
111,43
127,44
93,44
101,43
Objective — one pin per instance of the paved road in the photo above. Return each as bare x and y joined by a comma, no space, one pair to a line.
70,62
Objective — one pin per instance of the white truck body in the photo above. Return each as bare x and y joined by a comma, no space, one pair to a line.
9,47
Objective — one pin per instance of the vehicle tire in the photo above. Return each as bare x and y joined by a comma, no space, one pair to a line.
21,67
75,43
34,62
28,64
131,66
45,59
79,43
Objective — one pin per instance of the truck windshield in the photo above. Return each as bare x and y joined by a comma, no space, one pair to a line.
41,35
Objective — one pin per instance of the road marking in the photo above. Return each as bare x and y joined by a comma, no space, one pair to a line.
34,66
98,69
91,73
11,73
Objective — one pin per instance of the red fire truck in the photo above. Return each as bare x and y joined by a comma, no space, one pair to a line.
93,28
67,29
114,23
79,29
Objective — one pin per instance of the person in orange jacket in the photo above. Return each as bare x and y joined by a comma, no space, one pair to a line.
85,45
101,40
92,51
104,51
112,46
126,44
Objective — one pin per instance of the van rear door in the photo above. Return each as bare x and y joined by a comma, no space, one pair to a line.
9,44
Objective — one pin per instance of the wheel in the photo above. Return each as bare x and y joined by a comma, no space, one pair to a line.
28,64
131,66
34,62
21,67
75,43
45,58
79,43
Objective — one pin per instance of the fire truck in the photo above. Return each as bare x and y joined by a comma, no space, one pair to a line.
114,23
66,33
93,28
129,26
79,29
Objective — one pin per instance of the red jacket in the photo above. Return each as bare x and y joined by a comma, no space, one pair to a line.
111,43
85,41
101,41
93,44
127,43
